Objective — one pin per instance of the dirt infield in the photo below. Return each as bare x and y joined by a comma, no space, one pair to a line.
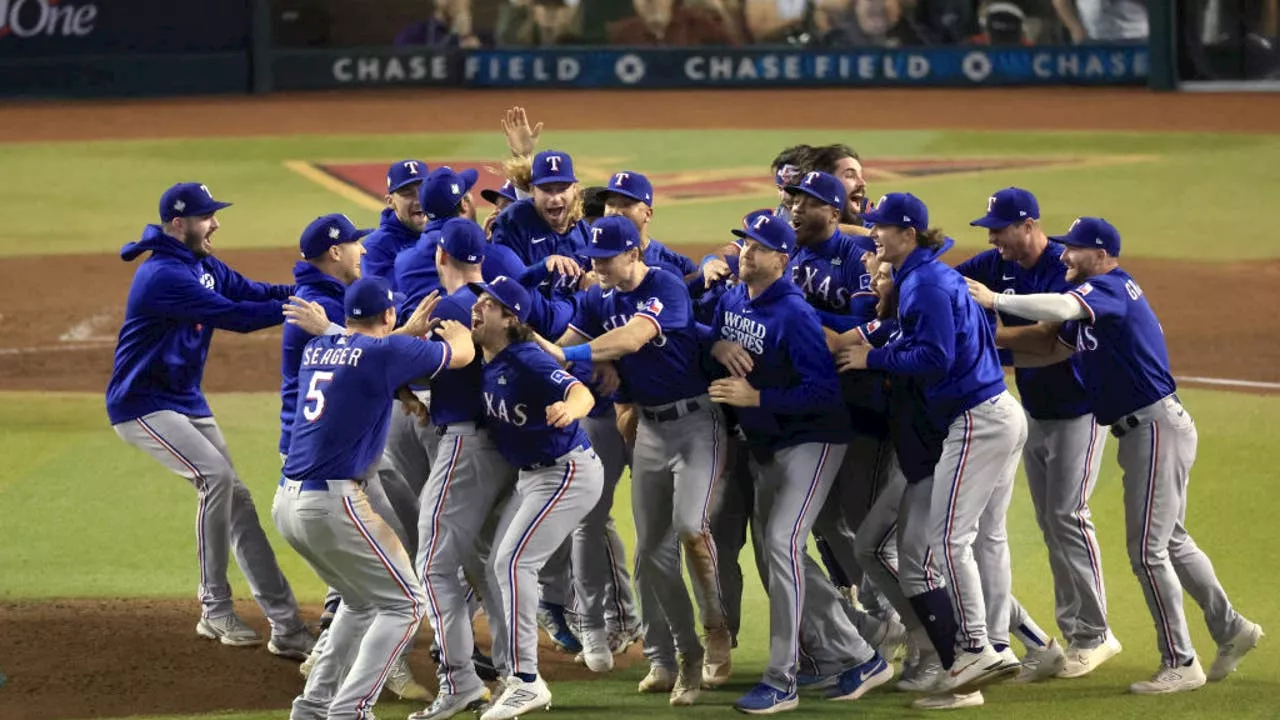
74,659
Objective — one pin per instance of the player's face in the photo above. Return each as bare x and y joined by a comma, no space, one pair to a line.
407,208
758,264
488,321
616,270
812,219
1012,241
634,210
849,171
468,207
1082,263
882,281
553,201
347,267
895,243
196,233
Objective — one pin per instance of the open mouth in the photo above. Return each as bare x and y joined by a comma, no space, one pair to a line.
555,214
476,321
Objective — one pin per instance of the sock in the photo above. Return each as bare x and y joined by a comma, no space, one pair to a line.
527,677
939,621
834,571
999,647
1030,634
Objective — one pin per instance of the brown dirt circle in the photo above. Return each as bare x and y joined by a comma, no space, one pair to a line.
81,658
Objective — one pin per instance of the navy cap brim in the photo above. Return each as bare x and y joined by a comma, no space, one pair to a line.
405,184
213,207
596,252
813,194
482,288
469,176
1068,240
556,179
491,196
747,234
991,222
625,194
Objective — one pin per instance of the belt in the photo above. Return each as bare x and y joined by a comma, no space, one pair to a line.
553,463
319,485
1139,417
672,411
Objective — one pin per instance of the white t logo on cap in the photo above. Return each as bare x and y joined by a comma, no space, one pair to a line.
412,166
760,222
1073,225
620,178
205,188
809,178
991,202
554,162
595,235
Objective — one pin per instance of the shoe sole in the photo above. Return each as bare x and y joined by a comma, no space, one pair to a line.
290,653
1058,665
1088,668
685,699
472,706
1172,691
954,706
987,677
783,706
212,635
867,685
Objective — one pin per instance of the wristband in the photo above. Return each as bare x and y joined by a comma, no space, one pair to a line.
577,353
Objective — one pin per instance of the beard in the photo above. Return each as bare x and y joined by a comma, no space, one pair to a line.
195,241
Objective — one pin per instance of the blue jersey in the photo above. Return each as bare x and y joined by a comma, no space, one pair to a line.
346,383
384,245
660,256
1048,393
518,385
317,287
522,229
415,269
501,260
175,302
947,344
833,278
1124,360
667,368
792,368
455,394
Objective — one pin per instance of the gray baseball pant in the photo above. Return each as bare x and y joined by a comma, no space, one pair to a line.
595,558
226,519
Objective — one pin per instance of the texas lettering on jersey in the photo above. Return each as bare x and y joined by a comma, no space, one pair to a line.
818,288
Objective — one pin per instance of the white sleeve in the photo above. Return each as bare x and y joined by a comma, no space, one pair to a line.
1048,307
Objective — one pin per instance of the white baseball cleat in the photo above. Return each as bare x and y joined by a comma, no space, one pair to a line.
659,680
518,698
400,681
595,651
949,701
447,705
688,684
1183,678
1042,663
717,664
922,676
1082,661
1230,655
229,630
974,670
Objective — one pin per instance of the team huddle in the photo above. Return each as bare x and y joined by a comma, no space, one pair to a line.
459,403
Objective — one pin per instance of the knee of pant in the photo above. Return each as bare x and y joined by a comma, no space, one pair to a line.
866,549
1143,554
691,529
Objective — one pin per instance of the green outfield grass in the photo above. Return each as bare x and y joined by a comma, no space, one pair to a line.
133,537
1174,190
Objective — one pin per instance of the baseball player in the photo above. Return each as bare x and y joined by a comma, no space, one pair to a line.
783,385
1064,442
500,199
544,230
532,408
402,221
643,322
1124,365
948,346
179,296
347,381
843,163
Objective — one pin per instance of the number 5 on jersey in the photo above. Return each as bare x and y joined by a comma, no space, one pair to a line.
315,392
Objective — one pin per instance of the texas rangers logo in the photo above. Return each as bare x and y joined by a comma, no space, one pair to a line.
411,166
553,161
653,306
207,281
595,235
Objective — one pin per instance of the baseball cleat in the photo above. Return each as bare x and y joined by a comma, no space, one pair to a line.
717,663
400,681
861,679
921,677
621,638
974,670
447,705
688,684
949,701
595,651
1183,678
518,698
659,680
484,666
1082,661
766,700
1042,663
229,630
553,622
1230,654
296,645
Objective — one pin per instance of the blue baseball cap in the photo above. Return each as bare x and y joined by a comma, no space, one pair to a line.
508,191
509,293
368,297
553,166
632,185
822,186
405,172
463,240
1092,232
188,199
612,235
326,231
1008,206
771,231
901,209
443,190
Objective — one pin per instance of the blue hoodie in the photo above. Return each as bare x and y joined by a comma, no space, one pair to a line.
415,268
382,246
793,370
947,344
175,302
317,287
522,229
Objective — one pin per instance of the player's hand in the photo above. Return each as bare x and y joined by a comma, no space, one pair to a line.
419,323
550,348
588,280
566,266
735,391
453,332
489,222
606,377
628,422
307,315
558,415
853,357
714,271
411,405
522,139
981,293
733,356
